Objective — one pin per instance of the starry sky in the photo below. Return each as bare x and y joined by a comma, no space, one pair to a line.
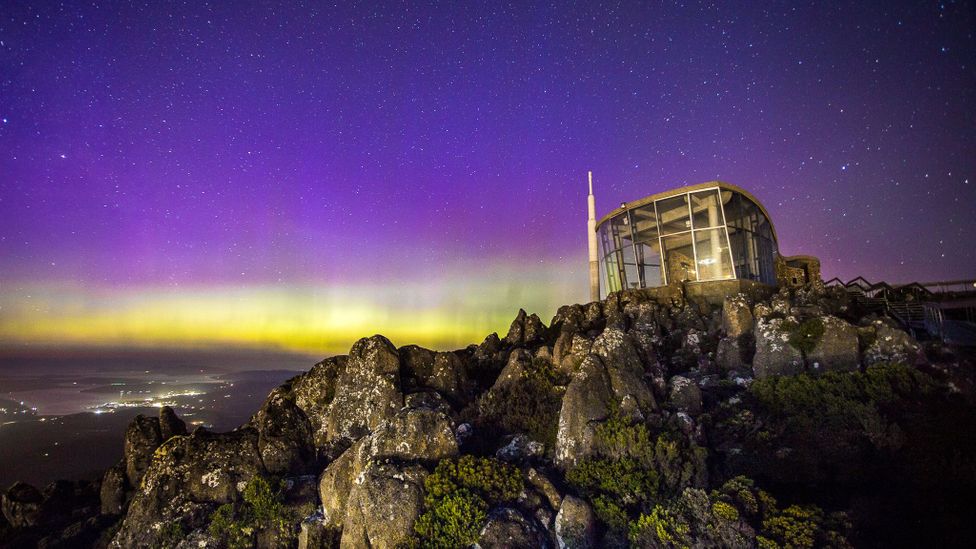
299,175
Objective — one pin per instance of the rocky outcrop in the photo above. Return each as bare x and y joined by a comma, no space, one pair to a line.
890,345
21,505
169,424
525,330
625,371
384,502
187,475
314,391
837,349
685,395
774,354
586,403
113,490
141,440
508,527
284,434
367,392
737,316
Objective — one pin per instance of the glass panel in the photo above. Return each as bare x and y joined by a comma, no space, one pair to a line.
714,261
649,263
765,252
679,258
645,224
705,210
624,244
733,209
612,277
743,254
673,214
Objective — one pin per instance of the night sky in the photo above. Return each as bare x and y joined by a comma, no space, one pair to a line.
302,175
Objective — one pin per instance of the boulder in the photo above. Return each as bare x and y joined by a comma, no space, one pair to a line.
21,505
284,434
891,345
525,330
569,351
520,449
112,491
314,391
337,481
519,362
507,527
367,391
685,395
576,526
837,349
187,477
736,316
169,424
774,354
142,437
414,434
730,354
586,402
624,368
428,399
383,504
488,348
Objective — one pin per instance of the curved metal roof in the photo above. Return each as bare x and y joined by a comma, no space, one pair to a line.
689,188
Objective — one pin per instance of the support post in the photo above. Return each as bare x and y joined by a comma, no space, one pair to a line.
591,241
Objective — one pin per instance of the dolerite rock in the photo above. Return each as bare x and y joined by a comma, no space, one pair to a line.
586,402
428,399
837,349
774,354
414,434
368,390
624,368
21,505
187,477
520,449
443,372
314,391
384,502
569,351
112,491
284,434
544,486
685,395
736,316
891,345
169,424
336,483
507,527
519,362
731,354
141,439
576,526
488,348
525,330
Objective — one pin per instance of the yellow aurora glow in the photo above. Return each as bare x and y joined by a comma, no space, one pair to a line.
450,313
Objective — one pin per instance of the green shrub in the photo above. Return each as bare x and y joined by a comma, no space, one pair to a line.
262,510
659,528
454,520
631,470
170,535
457,497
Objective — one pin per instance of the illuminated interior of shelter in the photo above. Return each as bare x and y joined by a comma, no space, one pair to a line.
712,231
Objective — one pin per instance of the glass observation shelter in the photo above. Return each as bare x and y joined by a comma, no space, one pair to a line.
706,232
